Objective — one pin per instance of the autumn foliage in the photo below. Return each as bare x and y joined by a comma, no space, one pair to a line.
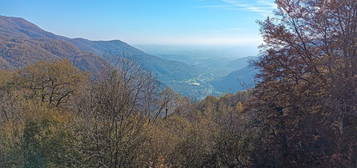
307,98
302,113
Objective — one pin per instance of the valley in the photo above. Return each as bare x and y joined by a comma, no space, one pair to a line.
189,71
178,84
212,67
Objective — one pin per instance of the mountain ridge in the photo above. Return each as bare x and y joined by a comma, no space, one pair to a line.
23,43
238,80
92,55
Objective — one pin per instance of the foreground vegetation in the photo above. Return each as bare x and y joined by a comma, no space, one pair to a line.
53,115
303,112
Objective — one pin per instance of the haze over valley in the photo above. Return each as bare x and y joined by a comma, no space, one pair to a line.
178,84
193,72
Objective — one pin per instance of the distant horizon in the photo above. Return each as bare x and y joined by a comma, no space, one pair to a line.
158,22
245,49
196,41
218,51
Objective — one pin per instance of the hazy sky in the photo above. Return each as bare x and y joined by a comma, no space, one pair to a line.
169,22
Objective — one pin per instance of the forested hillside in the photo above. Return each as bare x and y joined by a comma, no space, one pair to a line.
53,115
23,43
238,80
301,114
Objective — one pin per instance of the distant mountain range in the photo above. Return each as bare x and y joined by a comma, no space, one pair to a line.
165,70
225,75
242,78
238,80
23,43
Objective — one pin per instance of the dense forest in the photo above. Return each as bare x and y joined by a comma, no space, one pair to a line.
302,113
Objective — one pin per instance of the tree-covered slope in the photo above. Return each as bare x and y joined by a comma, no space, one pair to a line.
112,50
23,43
239,80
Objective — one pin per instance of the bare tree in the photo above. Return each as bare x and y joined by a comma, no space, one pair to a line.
115,110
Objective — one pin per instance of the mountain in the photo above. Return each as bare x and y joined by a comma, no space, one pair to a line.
217,65
23,43
239,80
219,72
240,63
165,70
14,27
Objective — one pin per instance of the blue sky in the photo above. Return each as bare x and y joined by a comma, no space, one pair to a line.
168,22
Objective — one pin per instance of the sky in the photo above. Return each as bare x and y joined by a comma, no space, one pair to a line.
154,22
